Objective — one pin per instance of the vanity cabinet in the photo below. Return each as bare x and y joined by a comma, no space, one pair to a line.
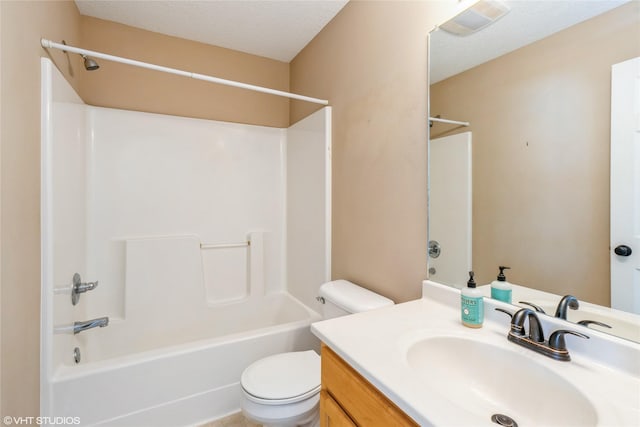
332,414
347,399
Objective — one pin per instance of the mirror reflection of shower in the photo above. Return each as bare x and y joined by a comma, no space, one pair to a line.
524,202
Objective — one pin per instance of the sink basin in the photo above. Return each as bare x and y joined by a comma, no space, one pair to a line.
486,379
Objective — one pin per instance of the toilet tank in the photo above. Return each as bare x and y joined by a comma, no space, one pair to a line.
342,297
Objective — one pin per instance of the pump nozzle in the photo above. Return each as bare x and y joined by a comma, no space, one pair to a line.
501,276
471,283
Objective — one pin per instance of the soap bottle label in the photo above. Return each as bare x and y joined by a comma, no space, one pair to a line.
472,310
501,294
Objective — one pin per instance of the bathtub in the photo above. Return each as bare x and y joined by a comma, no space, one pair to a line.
209,241
186,384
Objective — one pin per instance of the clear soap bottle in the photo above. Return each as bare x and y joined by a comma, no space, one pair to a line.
471,304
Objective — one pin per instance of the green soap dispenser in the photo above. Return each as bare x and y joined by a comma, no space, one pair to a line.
471,305
500,288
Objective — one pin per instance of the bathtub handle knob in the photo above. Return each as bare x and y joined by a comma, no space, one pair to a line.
320,300
80,288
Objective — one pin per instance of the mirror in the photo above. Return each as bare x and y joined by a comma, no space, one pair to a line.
526,183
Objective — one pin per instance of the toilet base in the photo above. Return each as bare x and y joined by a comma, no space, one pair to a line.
299,414
314,422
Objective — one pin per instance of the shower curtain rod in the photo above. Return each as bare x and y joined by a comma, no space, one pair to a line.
53,45
453,122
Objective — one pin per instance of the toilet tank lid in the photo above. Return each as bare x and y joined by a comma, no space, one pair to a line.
351,297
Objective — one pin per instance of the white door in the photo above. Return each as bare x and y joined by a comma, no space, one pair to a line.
450,208
625,186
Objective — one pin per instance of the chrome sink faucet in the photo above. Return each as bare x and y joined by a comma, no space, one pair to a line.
554,348
93,323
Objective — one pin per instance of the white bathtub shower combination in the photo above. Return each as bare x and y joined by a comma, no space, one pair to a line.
209,241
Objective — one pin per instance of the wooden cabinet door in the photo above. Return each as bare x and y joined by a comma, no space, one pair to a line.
331,414
357,397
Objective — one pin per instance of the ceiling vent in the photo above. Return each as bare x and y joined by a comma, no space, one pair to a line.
475,18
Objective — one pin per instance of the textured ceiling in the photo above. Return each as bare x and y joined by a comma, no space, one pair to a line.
276,29
527,22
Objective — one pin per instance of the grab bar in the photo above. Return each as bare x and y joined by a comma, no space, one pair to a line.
224,245
452,122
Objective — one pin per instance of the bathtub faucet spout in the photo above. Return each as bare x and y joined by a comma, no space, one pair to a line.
93,323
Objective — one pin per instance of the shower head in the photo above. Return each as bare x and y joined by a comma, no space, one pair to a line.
89,63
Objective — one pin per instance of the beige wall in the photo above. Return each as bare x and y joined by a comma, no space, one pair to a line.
22,25
122,86
370,62
1,413
540,123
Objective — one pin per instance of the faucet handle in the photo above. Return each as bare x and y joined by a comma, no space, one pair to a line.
504,311
556,339
535,307
593,322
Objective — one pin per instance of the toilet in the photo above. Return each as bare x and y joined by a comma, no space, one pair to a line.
283,390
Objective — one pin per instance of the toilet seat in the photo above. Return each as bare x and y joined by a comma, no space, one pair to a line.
293,399
282,378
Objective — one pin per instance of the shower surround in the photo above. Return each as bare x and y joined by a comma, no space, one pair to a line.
209,241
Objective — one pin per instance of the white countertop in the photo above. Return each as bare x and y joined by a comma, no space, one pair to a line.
375,344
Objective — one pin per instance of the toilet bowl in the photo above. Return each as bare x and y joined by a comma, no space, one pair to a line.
283,390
